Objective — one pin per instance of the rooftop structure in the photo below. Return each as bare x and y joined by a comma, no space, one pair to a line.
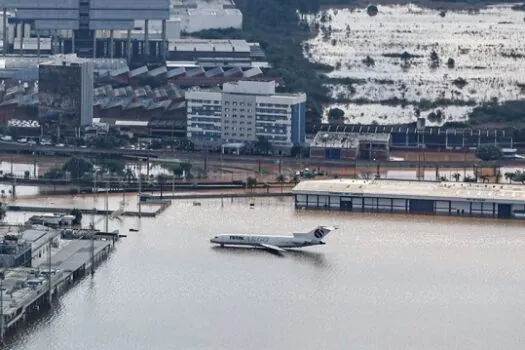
40,238
451,198
14,251
350,145
80,20
197,15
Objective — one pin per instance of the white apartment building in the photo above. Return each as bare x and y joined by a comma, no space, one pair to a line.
244,111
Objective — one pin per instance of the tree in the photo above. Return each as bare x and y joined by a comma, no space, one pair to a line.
251,182
114,166
263,146
27,174
335,114
519,176
468,178
54,173
77,167
280,179
488,152
456,176
510,176
78,216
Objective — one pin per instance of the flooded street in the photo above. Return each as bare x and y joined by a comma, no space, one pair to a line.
480,43
382,281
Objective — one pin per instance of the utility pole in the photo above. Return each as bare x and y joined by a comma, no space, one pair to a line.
93,242
50,296
106,207
2,324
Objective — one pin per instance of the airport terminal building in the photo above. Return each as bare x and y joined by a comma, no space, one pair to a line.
412,197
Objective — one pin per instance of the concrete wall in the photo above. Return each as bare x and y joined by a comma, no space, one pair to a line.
404,205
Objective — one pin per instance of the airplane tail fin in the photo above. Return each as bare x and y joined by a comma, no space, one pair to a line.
320,232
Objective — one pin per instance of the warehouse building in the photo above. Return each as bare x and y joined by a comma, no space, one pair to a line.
415,197
431,137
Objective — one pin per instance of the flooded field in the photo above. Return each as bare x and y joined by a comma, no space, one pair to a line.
389,57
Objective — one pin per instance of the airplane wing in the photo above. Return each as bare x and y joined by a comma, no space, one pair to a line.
272,247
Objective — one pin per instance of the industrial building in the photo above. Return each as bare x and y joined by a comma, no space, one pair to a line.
350,146
197,15
244,111
80,21
431,137
416,197
65,92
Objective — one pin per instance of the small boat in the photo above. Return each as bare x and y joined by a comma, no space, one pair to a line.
196,204
133,230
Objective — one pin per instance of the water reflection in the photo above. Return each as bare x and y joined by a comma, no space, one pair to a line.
303,256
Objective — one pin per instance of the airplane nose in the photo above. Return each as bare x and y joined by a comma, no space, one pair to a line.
322,242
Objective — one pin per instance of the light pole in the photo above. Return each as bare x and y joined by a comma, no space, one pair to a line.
2,326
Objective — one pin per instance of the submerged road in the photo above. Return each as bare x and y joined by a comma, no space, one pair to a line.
186,156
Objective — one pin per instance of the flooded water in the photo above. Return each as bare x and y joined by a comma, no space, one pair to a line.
381,282
480,43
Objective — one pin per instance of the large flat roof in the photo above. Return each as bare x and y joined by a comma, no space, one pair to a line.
500,193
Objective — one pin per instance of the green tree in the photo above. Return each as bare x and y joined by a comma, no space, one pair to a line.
114,166
77,167
488,152
27,174
335,115
251,182
263,145
510,176
3,211
456,176
280,180
54,173
519,176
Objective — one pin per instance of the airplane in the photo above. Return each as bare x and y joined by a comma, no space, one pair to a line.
276,243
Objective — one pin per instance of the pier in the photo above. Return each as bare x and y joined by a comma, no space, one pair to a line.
155,199
26,291
103,212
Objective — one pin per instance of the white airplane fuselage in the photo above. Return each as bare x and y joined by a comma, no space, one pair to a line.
275,243
254,240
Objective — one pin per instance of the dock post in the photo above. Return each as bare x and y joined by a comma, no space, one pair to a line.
2,324
50,296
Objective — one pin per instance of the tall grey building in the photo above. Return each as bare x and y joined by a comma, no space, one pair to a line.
85,17
65,91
